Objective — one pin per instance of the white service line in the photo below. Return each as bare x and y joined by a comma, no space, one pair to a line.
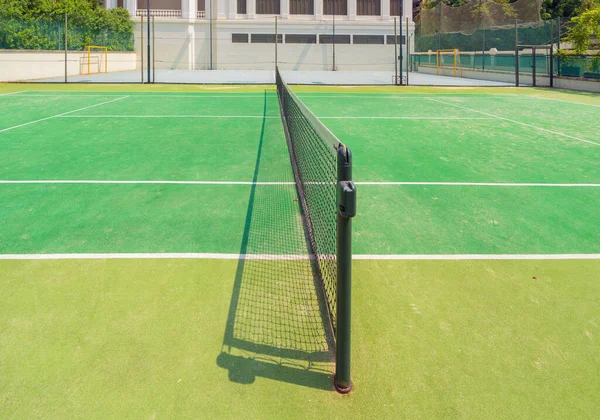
76,94
60,115
169,116
513,121
117,182
366,183
218,256
11,93
167,255
482,184
406,118
454,257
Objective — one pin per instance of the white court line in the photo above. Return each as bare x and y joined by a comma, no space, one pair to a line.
217,256
11,93
366,183
406,118
454,257
482,184
168,116
562,100
75,94
513,121
60,115
141,182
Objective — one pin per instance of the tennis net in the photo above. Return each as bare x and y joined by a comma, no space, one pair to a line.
323,174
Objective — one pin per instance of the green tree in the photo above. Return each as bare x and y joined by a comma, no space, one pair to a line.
584,28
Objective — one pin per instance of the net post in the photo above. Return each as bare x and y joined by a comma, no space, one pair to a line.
533,66
395,53
346,206
66,48
142,47
407,41
516,53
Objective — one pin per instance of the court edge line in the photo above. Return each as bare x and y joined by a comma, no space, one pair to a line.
270,117
60,115
366,183
77,94
219,256
169,116
513,121
562,100
12,93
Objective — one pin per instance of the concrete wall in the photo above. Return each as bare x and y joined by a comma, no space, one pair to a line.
186,46
36,65
562,82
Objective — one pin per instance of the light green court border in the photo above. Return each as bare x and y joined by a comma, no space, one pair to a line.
560,94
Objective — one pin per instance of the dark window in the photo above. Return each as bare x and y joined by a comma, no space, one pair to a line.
368,7
302,7
390,39
241,7
300,39
368,39
339,39
340,7
239,38
120,3
395,5
266,38
160,4
201,5
267,7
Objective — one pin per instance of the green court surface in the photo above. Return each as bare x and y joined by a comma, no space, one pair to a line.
476,287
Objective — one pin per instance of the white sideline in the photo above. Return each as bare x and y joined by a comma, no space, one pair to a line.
513,121
167,182
167,116
405,257
60,115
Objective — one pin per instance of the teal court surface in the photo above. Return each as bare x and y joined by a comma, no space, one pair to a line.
151,254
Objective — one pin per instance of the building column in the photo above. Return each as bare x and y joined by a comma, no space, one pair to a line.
232,9
188,9
318,9
131,7
284,9
251,9
352,9
110,4
407,11
385,9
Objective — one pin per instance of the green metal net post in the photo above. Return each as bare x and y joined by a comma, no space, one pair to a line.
346,204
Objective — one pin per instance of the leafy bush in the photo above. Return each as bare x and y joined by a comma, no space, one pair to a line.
40,25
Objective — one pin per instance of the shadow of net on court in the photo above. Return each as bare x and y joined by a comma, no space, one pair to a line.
277,325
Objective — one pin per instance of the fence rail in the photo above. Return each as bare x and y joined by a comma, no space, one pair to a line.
159,13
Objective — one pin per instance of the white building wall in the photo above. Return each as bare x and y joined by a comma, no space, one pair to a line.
185,43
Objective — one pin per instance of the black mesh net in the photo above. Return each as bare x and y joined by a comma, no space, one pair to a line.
313,153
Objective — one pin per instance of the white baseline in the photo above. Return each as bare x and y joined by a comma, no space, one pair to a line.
382,183
218,256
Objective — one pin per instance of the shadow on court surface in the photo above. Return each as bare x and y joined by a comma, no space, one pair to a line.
277,327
